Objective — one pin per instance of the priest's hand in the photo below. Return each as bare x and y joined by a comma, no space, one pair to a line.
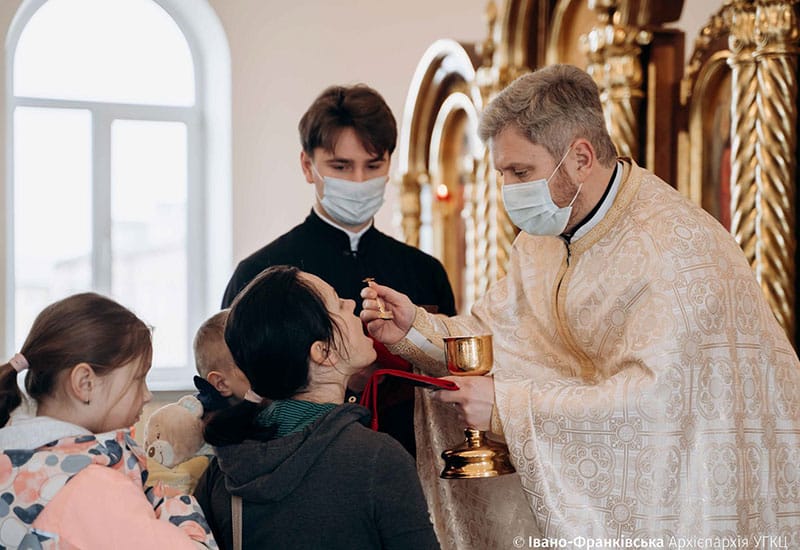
378,300
473,400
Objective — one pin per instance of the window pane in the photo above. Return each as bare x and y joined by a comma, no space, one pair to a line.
148,230
127,51
52,209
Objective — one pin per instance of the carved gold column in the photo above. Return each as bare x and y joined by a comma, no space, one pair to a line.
500,233
740,18
614,52
493,231
776,148
410,206
483,208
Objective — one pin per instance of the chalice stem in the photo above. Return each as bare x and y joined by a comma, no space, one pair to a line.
474,437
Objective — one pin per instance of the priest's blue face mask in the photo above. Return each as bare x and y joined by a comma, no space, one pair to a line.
351,202
531,208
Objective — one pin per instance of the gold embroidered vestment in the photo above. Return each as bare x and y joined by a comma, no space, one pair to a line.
642,384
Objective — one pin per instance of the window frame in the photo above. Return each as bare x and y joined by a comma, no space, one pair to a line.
208,231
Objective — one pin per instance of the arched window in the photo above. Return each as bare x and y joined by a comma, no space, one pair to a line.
111,109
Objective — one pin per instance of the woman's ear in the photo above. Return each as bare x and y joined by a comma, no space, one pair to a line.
82,381
320,353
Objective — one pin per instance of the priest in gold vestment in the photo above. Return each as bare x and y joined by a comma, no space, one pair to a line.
641,382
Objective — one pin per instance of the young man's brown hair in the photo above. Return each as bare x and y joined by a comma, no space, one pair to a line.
358,107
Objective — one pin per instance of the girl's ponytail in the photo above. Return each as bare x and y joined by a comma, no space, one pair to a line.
10,394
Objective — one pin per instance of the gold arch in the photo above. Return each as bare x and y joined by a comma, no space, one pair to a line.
439,147
522,37
704,185
455,221
561,45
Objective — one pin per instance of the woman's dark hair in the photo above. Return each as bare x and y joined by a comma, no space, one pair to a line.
83,328
358,107
270,329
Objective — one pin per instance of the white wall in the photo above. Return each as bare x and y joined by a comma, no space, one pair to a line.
283,54
696,14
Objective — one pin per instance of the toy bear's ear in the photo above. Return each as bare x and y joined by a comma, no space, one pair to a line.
192,404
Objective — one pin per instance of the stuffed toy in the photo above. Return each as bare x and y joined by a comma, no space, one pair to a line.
174,433
176,454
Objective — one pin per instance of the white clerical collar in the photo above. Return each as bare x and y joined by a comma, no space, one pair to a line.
354,237
605,206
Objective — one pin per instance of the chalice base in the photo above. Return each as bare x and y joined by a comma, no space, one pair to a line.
477,457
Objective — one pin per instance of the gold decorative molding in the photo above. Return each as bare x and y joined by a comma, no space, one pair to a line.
520,35
437,153
749,51
776,52
571,20
521,32
740,19
698,91
446,67
614,52
494,63
455,150
711,32
708,130
484,206
410,206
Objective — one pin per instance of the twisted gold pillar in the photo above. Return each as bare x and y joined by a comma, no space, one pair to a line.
614,53
740,18
485,265
494,231
776,149
410,207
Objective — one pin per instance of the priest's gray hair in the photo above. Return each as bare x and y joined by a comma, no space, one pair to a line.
552,107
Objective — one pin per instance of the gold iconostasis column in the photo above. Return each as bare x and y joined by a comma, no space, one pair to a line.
492,233
496,231
614,53
744,113
776,54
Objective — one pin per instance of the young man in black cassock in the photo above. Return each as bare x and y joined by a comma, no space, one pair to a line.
348,135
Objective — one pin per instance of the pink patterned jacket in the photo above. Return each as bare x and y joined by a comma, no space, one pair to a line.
86,491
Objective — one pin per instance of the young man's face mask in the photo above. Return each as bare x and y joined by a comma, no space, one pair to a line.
351,202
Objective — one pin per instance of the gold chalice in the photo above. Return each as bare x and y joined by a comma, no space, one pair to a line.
478,456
